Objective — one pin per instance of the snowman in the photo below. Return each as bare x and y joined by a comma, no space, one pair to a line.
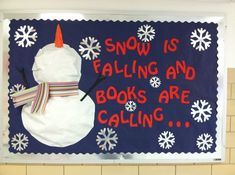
66,119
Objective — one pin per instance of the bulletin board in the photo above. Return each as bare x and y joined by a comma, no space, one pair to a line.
112,87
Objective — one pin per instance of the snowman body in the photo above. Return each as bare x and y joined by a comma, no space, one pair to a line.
66,120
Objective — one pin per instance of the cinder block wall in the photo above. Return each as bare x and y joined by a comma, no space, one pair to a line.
227,168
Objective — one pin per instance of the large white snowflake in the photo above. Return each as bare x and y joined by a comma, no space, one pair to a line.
146,33
19,142
166,140
89,48
130,106
204,141
201,111
17,88
200,39
25,36
155,82
106,139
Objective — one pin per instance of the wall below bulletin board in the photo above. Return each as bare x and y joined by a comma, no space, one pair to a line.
165,169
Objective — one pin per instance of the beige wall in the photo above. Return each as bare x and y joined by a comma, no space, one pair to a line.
227,168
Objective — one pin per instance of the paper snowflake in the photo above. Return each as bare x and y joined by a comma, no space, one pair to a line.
89,48
146,33
204,142
155,82
19,142
130,106
25,36
201,111
166,140
106,139
200,39
17,88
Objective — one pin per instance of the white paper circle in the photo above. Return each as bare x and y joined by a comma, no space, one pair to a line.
65,121
53,64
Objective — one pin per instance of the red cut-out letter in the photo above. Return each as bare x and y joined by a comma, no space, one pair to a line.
157,117
132,40
171,72
122,118
121,47
190,73
108,43
122,97
184,97
152,68
142,98
96,65
143,71
131,93
126,75
172,47
100,119
114,119
165,49
148,119
144,50
100,98
111,93
163,96
132,124
117,70
107,70
174,91
180,65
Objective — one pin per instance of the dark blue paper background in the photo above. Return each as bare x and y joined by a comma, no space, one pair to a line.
130,139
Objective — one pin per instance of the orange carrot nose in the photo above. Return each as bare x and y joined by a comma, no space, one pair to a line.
58,37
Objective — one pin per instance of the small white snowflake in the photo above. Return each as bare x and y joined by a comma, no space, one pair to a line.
155,82
106,139
204,141
130,106
17,88
89,48
146,33
19,142
200,39
201,111
25,36
166,140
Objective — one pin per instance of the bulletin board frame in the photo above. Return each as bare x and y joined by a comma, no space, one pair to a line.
126,158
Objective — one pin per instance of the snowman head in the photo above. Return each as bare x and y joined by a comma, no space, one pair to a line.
57,62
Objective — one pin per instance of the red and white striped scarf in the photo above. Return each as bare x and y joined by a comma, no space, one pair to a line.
40,94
